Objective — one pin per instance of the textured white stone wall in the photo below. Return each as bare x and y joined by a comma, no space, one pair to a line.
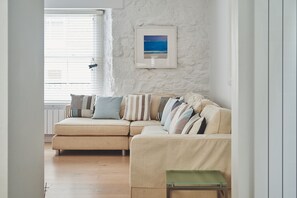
107,68
192,73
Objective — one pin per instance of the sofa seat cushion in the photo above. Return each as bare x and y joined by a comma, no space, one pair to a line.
154,130
137,126
88,126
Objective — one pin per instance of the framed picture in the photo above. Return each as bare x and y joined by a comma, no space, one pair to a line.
155,47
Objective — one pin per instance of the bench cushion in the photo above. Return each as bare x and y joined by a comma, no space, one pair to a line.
137,126
88,126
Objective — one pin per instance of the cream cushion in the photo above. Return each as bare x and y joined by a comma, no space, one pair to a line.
87,126
137,126
190,124
199,105
197,101
192,98
218,119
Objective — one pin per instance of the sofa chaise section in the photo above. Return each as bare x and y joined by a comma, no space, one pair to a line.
91,134
155,151
151,155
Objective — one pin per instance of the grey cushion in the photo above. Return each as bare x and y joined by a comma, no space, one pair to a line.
163,102
82,106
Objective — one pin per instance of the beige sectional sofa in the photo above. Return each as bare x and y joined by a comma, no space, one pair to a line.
153,150
101,134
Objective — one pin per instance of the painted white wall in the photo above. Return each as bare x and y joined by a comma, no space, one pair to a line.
25,96
83,4
3,99
220,52
192,73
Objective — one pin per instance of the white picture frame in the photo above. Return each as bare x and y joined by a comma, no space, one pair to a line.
156,47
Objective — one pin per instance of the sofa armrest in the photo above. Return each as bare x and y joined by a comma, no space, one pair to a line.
152,155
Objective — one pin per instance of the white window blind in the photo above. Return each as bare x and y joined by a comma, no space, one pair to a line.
72,43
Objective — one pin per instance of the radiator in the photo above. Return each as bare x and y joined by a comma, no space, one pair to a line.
52,114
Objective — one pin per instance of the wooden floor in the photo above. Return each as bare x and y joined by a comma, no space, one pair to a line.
86,174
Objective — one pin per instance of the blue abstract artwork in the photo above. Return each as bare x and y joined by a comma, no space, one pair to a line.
155,46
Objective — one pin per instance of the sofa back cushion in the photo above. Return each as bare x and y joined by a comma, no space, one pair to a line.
138,107
218,119
197,101
190,124
123,105
156,99
163,102
178,125
82,106
107,108
167,110
155,103
191,98
198,127
201,104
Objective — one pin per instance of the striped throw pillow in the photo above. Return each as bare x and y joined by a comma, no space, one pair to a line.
181,109
138,107
198,127
82,106
167,109
178,127
190,123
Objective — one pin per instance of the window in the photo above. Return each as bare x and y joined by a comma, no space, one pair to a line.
72,42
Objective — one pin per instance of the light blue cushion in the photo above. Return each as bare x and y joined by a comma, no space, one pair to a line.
167,109
107,107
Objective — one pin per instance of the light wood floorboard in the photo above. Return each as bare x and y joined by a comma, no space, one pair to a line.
86,174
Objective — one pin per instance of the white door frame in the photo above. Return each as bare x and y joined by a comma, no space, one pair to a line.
242,50
263,98
4,98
